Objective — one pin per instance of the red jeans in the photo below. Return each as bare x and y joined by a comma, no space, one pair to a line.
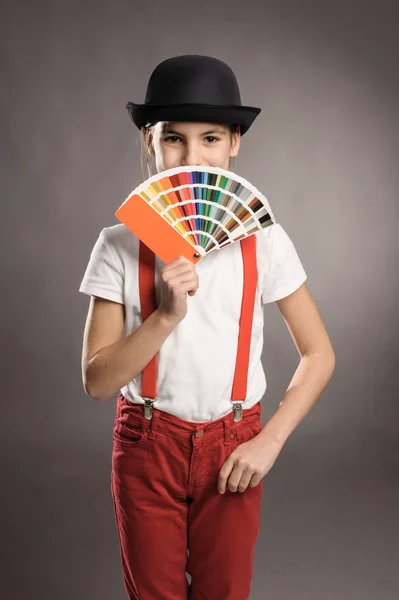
169,514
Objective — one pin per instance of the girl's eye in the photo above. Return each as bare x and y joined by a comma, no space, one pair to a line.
175,137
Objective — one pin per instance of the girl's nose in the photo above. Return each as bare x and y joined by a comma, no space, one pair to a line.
191,156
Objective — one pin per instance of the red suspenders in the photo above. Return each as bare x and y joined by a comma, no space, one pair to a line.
148,305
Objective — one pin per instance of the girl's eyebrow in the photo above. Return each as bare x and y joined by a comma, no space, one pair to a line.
217,130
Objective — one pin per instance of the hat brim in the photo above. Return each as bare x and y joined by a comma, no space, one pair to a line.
244,116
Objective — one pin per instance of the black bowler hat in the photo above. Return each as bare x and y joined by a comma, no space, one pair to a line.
193,87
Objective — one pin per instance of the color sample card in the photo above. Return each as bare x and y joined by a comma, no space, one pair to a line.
192,211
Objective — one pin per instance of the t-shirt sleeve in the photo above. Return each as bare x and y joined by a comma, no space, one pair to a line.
104,272
284,272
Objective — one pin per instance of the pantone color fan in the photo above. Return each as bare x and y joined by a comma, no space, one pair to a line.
193,211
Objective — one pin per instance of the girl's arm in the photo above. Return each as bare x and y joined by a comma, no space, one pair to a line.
106,370
316,366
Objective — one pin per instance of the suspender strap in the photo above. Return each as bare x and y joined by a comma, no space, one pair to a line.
148,305
248,250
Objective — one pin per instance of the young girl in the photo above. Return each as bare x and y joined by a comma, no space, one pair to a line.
189,450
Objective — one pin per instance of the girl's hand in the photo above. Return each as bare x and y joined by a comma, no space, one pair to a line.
178,278
247,464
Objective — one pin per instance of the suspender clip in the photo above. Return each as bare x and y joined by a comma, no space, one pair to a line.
237,408
147,407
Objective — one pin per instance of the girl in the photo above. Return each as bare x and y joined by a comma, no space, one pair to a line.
189,451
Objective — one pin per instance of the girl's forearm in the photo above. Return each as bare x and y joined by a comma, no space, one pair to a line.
115,365
310,378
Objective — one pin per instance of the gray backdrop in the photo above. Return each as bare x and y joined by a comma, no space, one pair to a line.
324,151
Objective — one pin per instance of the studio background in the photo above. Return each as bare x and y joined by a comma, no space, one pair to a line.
324,151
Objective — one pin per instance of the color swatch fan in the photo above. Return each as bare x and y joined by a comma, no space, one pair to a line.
193,211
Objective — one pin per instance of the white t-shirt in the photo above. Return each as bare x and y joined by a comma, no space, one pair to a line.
196,362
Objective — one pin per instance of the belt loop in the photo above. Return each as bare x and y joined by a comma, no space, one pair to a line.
153,424
226,425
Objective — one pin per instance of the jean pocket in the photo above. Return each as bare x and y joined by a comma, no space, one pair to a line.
129,434
249,432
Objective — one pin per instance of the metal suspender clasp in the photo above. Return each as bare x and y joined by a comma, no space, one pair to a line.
237,408
147,407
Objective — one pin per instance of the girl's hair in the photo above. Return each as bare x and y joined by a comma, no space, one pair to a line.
145,156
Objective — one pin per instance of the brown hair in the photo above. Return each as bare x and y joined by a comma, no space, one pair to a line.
145,156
